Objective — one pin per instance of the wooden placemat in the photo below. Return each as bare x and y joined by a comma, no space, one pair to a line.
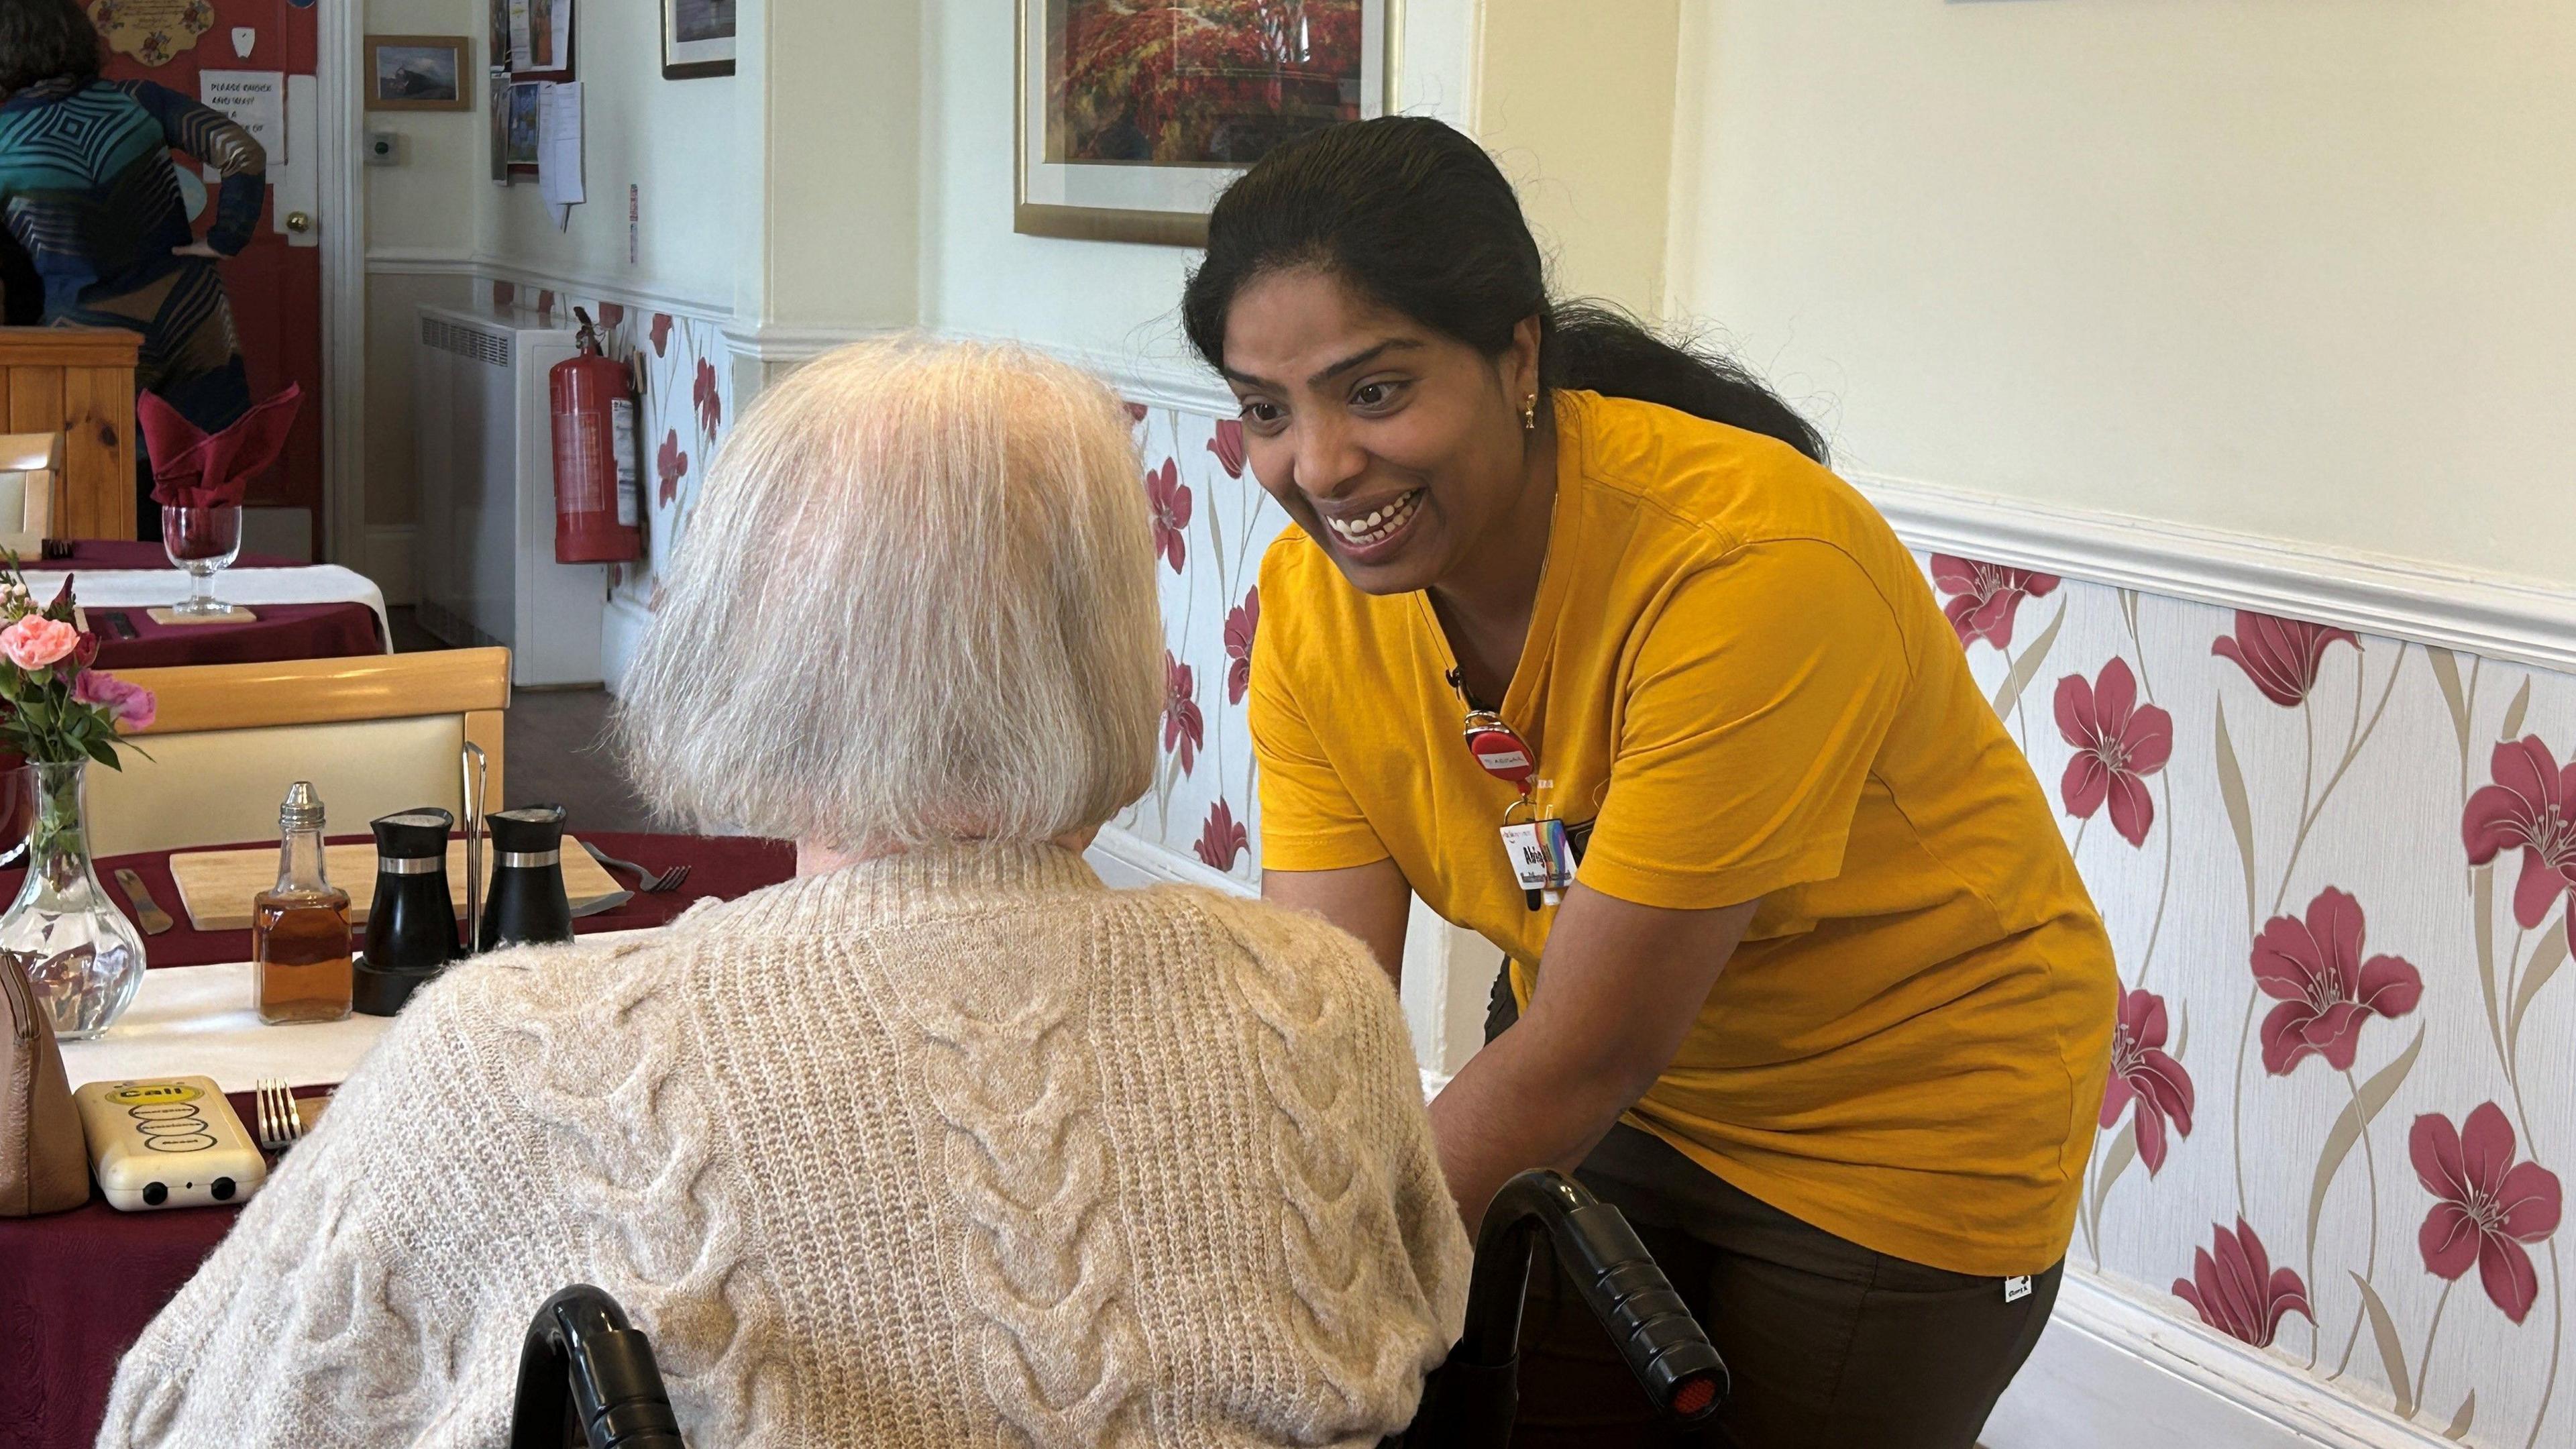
216,886
241,614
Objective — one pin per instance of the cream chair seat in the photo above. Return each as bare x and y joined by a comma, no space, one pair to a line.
375,735
31,473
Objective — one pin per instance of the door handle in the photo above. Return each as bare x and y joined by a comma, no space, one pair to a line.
299,222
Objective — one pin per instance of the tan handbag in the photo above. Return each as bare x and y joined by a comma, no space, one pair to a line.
44,1162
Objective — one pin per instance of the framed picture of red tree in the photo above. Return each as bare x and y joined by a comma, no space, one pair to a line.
1134,114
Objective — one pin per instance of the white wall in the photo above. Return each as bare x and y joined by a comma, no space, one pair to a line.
2296,268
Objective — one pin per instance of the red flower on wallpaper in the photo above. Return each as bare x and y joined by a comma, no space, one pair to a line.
545,302
1136,412
661,333
703,393
1228,446
2280,655
2487,1205
670,465
2236,1290
1222,839
504,293
2314,969
2142,1071
2118,743
1184,730
1984,597
1241,623
2532,804
610,314
1170,498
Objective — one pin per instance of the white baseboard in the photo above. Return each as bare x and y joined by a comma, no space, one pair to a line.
2112,1372
621,630
390,562
1130,861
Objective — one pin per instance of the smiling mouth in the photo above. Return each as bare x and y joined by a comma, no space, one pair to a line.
1378,526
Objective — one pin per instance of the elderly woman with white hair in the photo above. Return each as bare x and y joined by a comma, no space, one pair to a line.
940,1143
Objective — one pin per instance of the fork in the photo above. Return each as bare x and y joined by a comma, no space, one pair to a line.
280,1125
649,882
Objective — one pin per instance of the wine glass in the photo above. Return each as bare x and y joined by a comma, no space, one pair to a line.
202,541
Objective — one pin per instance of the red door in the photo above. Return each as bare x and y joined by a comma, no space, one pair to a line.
276,283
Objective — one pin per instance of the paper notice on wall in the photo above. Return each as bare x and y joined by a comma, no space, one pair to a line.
559,146
520,49
256,101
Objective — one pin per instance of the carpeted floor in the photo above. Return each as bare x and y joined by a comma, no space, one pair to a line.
555,756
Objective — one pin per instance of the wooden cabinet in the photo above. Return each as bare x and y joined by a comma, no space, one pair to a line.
77,381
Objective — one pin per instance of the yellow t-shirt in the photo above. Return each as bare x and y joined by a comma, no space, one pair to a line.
1738,678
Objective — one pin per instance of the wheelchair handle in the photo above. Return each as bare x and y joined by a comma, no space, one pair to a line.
586,1377
1612,1273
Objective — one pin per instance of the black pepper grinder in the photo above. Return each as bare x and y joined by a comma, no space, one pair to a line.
411,926
527,905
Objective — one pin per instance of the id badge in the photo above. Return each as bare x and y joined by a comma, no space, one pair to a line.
1542,859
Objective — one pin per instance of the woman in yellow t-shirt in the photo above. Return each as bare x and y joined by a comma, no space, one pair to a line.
1824,1008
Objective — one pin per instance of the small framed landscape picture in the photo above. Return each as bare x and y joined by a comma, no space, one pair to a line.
419,73
697,38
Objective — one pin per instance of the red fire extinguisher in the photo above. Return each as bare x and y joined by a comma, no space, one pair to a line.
598,493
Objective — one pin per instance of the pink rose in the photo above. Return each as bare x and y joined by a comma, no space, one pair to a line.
131,706
35,642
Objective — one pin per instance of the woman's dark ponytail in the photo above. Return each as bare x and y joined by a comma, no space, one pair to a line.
1416,216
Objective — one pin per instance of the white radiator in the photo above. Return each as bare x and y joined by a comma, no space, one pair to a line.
485,452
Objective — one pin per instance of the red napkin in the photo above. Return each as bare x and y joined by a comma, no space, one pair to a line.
194,469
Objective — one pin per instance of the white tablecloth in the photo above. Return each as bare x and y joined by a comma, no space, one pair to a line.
197,1021
160,588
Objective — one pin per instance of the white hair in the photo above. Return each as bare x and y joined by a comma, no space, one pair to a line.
916,603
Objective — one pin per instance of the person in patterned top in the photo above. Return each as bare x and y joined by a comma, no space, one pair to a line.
90,194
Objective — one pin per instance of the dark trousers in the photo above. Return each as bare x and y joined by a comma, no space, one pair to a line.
1828,1342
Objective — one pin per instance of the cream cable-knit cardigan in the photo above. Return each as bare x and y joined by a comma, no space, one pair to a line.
956,1148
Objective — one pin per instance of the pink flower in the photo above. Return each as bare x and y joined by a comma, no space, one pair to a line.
610,314
1136,412
1984,597
1171,502
1183,728
1228,446
35,642
2237,1291
661,333
131,706
2280,655
2314,969
1241,623
2141,1069
671,465
1222,838
2118,742
2487,1207
710,402
2531,804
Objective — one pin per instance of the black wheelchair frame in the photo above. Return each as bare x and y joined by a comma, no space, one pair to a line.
588,1378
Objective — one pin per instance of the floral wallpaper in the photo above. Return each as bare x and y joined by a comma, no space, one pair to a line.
2337,869
684,396
1211,523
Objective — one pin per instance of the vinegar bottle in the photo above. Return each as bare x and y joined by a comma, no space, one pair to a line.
299,931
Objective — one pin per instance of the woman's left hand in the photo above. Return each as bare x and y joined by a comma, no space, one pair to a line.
198,249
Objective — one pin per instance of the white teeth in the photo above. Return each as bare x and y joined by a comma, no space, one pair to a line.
1380,524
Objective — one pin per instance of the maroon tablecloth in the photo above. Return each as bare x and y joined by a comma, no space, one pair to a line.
281,631
77,1287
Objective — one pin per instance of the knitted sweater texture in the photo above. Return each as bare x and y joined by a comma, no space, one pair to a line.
954,1148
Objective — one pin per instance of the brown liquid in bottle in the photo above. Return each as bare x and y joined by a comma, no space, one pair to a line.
300,941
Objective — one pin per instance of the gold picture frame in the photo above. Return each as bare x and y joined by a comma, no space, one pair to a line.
1160,203
420,73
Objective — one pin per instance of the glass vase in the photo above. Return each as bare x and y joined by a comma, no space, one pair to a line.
80,952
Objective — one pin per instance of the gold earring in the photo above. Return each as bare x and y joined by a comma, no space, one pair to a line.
1529,413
